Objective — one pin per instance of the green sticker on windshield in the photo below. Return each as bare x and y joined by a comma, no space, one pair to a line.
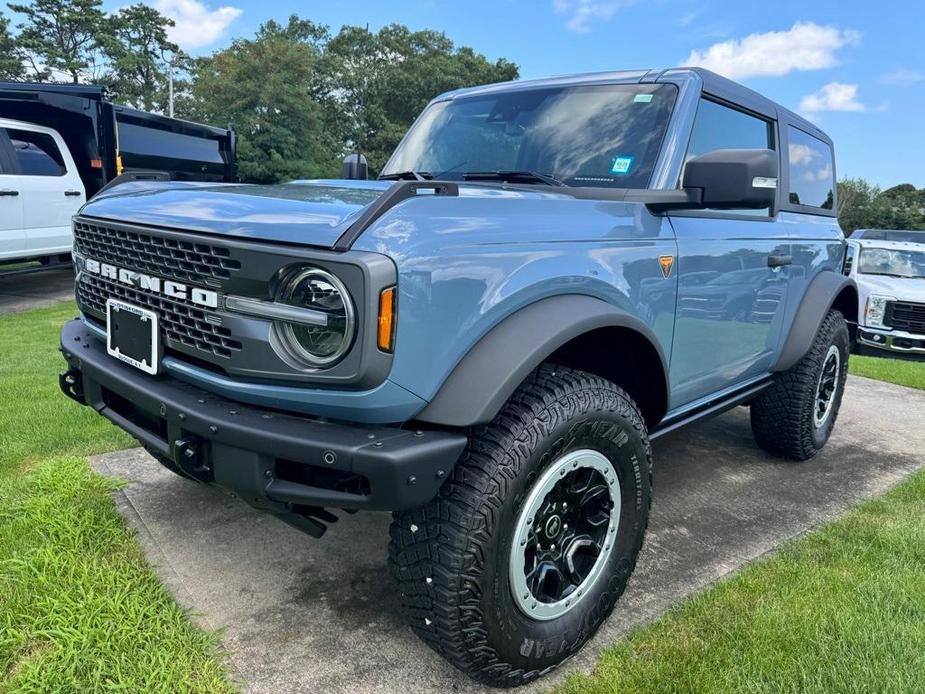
642,98
621,165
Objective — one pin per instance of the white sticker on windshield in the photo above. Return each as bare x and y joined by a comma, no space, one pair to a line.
642,98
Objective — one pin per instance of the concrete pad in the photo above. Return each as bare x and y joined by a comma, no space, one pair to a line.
308,615
21,292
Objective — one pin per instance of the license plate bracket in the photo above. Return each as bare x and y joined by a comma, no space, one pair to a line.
132,335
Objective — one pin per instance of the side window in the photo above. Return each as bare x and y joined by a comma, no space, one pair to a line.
721,127
812,176
37,153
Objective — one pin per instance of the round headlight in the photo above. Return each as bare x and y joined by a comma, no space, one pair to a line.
324,343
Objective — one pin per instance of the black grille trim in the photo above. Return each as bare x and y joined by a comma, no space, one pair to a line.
907,316
181,323
184,261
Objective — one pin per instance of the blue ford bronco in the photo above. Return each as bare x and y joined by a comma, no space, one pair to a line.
547,276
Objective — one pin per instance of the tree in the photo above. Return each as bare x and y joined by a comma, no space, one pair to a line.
263,86
374,85
139,54
11,67
864,206
60,36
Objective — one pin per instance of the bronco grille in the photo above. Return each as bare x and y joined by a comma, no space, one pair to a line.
184,261
905,316
182,323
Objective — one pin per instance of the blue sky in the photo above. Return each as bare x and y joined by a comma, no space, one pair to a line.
857,69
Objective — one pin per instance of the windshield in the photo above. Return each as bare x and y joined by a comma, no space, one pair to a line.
604,135
892,262
890,235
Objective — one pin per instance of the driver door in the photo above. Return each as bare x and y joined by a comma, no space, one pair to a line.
732,274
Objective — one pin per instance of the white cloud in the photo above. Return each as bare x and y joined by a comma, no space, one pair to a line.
801,155
805,46
835,96
903,76
196,24
582,14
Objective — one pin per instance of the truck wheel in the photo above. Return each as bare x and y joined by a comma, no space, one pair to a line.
795,417
527,547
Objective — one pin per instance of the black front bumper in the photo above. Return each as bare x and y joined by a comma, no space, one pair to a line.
289,465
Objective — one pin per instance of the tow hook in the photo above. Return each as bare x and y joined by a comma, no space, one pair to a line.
189,456
72,385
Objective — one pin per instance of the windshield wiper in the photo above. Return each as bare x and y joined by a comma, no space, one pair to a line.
513,177
407,176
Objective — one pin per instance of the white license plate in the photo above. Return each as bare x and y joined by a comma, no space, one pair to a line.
132,335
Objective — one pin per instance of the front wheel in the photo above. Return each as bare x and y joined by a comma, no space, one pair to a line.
794,418
526,549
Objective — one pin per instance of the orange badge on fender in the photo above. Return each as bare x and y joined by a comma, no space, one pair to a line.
667,262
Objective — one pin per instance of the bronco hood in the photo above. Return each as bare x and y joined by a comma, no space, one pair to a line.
304,212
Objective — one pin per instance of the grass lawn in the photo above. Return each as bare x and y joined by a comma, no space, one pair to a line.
840,610
905,373
80,610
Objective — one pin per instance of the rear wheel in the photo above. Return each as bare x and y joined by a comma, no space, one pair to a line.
794,418
526,549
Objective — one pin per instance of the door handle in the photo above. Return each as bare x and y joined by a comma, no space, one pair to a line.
9,193
779,260
72,193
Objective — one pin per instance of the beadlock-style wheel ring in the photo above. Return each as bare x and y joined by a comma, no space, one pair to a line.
827,386
564,534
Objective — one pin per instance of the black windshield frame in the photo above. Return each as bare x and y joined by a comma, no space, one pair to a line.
606,136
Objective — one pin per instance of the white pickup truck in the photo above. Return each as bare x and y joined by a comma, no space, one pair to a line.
40,190
60,144
890,277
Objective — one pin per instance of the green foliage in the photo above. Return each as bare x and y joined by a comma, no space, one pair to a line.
60,36
300,100
263,86
11,67
864,206
138,51
374,85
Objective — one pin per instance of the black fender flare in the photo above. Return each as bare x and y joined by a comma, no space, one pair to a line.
822,293
498,363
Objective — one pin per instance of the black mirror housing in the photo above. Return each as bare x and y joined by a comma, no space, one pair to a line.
734,178
354,167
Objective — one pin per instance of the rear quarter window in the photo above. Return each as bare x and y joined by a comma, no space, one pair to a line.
812,170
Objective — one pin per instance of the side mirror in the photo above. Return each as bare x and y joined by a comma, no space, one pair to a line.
733,178
354,167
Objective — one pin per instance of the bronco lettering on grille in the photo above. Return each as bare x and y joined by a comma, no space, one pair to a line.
155,285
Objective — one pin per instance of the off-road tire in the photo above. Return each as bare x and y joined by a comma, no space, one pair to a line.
782,416
450,558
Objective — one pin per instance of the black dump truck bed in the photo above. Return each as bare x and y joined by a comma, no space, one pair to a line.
107,140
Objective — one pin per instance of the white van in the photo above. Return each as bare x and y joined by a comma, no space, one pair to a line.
40,190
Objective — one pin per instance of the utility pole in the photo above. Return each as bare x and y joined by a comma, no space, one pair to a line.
170,88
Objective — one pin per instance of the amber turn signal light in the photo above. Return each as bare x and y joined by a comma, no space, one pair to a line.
386,333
